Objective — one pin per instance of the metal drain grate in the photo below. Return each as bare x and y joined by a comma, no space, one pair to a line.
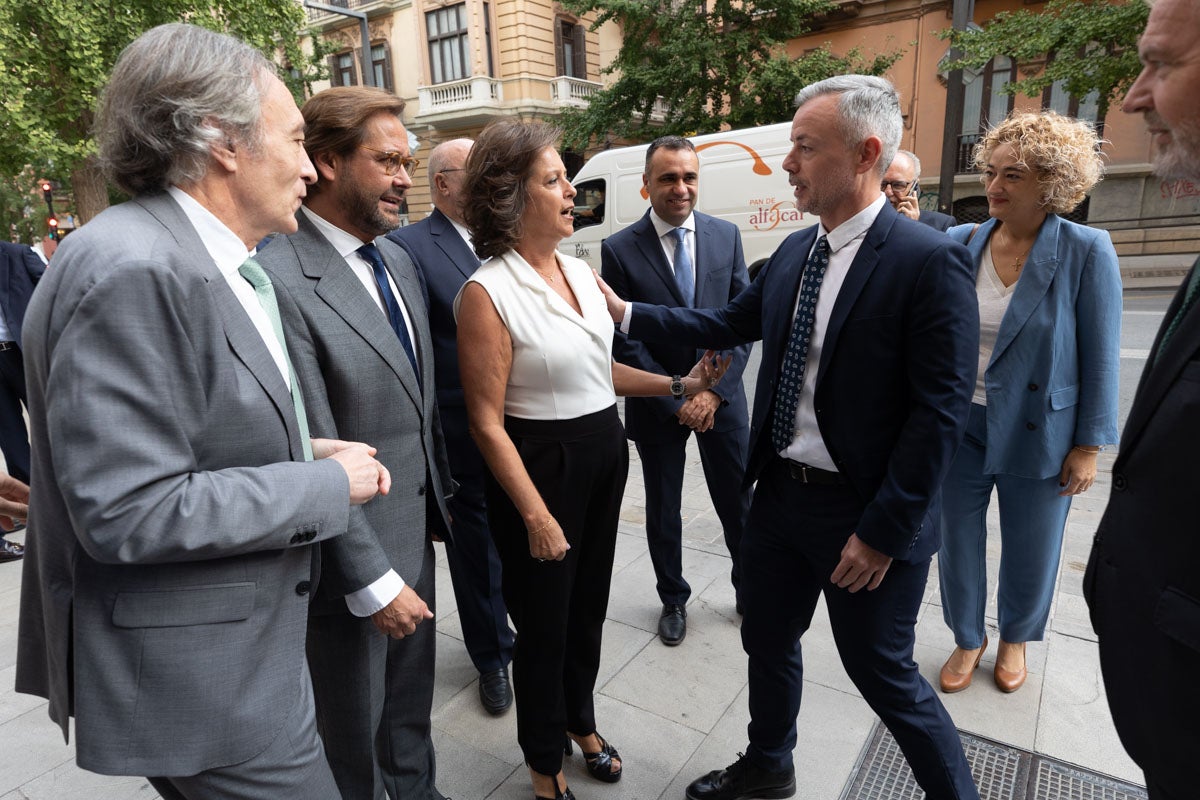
1000,771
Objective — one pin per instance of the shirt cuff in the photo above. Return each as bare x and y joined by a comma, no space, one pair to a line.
376,596
625,320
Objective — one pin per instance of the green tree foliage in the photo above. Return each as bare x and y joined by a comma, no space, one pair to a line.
1092,46
55,57
715,62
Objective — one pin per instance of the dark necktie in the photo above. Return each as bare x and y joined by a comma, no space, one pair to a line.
1189,300
265,292
371,253
795,358
683,268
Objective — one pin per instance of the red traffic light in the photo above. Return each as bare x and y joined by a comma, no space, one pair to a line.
52,222
45,186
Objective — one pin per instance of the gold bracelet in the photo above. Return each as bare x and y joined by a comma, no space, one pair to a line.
549,522
1083,449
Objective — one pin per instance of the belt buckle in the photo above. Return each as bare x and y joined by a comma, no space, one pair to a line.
804,473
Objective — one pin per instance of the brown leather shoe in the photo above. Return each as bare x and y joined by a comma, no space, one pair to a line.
1009,681
952,681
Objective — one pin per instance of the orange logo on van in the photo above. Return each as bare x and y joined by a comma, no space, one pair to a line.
758,166
768,214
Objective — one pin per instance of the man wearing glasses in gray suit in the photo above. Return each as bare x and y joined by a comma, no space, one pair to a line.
353,306
175,496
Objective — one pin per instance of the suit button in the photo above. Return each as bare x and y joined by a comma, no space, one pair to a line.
421,490
1119,482
308,537
297,538
1030,426
303,588
1033,387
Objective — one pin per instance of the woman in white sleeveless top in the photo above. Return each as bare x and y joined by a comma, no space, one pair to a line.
535,353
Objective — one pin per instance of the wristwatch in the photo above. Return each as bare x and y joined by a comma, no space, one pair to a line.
677,390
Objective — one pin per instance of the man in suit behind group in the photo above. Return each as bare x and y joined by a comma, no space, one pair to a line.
440,246
870,341
902,186
676,256
20,270
174,501
1141,583
353,307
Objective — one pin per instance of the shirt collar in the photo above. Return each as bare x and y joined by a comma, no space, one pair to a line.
663,228
224,247
345,243
853,228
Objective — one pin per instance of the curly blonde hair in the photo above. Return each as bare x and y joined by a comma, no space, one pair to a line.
1063,153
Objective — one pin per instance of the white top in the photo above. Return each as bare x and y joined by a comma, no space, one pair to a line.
228,252
994,298
562,362
844,241
663,229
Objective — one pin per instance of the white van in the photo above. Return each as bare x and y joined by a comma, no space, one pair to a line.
741,180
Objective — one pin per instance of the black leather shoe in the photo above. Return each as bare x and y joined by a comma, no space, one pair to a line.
742,780
672,625
495,692
11,551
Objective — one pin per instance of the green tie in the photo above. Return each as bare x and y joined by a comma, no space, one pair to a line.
1189,300
254,275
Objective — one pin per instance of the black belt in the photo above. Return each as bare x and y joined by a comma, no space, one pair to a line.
806,474
7,346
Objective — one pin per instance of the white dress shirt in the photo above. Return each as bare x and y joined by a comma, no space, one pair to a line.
668,242
383,590
807,446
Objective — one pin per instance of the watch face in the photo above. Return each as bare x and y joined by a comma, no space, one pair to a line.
677,387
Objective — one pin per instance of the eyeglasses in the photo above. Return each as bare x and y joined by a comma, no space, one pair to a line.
393,161
452,169
899,187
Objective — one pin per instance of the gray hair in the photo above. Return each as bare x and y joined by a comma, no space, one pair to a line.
869,106
175,91
440,157
911,156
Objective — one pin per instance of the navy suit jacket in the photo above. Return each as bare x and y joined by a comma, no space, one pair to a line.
896,375
20,270
937,220
634,265
444,262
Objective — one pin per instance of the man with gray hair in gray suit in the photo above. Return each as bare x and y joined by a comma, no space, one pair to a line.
353,308
175,496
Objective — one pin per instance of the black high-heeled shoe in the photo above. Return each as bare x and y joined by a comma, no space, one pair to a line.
565,794
600,765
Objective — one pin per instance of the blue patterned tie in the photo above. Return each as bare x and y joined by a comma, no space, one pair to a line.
1189,300
371,253
265,292
791,373
683,268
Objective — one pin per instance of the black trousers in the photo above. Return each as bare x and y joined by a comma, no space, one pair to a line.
558,607
14,438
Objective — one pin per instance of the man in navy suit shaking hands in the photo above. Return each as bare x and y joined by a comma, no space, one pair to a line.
870,333
676,256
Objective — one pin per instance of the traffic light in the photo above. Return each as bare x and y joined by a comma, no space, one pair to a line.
47,191
53,225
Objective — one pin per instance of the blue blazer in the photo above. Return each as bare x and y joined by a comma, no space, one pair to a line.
634,265
1051,382
20,270
896,374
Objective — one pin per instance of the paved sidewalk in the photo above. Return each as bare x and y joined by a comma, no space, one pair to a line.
675,712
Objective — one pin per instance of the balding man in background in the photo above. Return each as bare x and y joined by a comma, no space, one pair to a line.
902,185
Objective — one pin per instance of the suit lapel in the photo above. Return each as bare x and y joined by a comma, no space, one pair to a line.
859,273
703,248
1040,266
342,291
651,246
779,327
451,243
411,297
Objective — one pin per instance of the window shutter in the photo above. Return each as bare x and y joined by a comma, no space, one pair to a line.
559,66
335,77
578,32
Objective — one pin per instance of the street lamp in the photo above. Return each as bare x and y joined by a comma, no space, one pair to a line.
368,75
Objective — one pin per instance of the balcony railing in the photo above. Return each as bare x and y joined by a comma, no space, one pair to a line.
569,91
966,147
462,94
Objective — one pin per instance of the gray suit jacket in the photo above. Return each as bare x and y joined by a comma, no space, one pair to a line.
359,385
165,588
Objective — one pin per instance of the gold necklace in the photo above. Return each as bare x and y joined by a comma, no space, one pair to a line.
550,279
